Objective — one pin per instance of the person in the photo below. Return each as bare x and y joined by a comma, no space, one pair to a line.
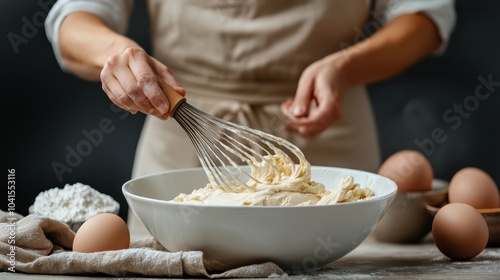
296,69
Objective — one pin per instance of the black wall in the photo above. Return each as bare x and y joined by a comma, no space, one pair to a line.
49,114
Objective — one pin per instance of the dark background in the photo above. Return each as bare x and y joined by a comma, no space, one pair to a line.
46,111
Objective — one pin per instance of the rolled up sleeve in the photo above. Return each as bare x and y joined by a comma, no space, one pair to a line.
441,12
115,13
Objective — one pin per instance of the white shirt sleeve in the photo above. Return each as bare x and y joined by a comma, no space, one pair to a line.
115,13
442,12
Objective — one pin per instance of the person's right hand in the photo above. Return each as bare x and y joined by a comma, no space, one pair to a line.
130,81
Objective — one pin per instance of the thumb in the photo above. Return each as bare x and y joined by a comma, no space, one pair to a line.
165,73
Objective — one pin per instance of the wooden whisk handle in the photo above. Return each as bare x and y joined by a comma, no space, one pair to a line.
174,98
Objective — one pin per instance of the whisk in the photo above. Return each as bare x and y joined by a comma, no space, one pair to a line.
221,149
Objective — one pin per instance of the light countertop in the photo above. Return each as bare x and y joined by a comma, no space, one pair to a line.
374,260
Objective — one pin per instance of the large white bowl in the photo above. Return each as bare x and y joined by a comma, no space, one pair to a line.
298,238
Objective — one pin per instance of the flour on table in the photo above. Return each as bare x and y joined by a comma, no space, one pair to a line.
73,203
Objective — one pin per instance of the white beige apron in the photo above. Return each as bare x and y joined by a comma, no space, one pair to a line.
240,59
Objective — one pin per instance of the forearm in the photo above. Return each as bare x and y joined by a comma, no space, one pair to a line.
86,43
391,50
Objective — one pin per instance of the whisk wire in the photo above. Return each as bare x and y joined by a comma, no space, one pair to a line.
215,143
247,154
201,132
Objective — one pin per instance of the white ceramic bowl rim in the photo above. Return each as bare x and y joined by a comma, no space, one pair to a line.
148,199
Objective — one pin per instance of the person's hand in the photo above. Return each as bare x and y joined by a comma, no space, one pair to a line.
323,83
130,81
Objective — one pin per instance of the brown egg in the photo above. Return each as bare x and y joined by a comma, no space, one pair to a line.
459,231
102,232
475,187
409,169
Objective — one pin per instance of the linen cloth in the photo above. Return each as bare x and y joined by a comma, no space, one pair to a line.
43,246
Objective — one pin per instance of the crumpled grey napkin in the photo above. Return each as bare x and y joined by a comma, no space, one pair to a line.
39,245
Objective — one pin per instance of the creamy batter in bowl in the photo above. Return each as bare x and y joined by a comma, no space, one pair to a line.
276,180
298,238
308,193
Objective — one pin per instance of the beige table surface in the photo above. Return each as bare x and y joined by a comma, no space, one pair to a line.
374,260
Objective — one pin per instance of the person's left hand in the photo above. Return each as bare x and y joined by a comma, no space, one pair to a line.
324,83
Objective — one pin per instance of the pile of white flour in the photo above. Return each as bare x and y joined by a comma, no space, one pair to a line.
73,203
